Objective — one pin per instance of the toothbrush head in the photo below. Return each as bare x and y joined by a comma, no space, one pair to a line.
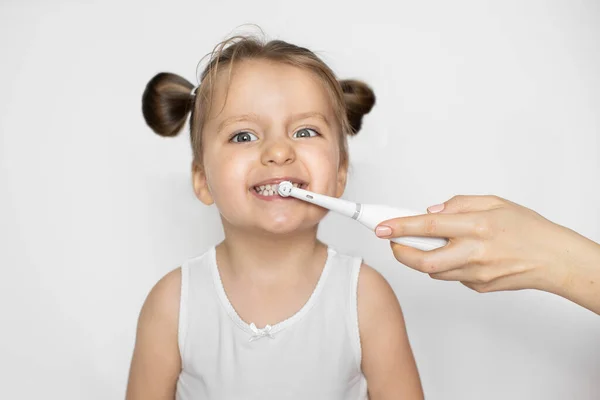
285,188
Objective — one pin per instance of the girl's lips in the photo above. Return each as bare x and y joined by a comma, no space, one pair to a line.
275,197
276,181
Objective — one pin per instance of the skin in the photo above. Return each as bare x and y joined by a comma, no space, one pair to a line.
495,244
271,260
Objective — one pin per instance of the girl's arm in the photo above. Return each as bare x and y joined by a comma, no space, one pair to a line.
156,363
387,360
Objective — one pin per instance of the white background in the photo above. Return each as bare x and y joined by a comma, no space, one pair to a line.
476,97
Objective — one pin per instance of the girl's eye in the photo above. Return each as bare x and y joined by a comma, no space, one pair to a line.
306,132
243,137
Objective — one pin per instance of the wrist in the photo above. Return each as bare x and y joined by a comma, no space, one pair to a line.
574,273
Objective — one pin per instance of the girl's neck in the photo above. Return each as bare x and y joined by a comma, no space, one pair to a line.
268,258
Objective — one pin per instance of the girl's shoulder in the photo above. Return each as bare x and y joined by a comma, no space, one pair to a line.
159,315
162,304
156,353
377,304
373,288
386,351
164,296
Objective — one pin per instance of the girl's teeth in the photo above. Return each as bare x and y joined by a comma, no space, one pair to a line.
271,189
267,192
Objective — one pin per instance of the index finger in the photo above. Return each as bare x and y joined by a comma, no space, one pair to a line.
433,225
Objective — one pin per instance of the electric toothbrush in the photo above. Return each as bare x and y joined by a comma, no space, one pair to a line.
370,215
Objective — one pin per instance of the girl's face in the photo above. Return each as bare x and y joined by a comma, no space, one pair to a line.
272,122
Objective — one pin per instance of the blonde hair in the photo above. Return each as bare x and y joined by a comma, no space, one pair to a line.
168,97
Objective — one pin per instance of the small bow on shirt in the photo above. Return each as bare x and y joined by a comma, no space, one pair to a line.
259,333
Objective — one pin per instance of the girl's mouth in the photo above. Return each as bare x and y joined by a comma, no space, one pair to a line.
270,190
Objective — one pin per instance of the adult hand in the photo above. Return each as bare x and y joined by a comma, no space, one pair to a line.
495,244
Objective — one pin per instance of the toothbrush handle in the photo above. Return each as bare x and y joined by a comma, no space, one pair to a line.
421,243
372,215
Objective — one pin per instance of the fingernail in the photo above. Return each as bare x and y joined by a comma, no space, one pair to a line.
383,231
436,208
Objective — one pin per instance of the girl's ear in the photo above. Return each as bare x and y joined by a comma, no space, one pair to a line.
341,179
200,184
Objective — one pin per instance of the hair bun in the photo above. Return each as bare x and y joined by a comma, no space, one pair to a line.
166,102
359,99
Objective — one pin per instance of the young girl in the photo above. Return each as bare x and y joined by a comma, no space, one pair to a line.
271,312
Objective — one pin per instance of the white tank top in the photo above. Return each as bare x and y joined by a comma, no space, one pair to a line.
314,354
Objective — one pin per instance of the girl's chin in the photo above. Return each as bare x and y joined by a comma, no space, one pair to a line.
284,229
279,223
287,227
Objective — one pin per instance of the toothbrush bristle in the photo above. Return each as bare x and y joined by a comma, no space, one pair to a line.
285,188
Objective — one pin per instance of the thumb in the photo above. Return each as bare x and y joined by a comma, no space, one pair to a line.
467,203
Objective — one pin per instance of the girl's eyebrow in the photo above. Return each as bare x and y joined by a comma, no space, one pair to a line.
255,118
238,118
311,114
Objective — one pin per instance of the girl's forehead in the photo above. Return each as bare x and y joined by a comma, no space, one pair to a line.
260,86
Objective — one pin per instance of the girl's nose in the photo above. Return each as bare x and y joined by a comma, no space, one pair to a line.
278,152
